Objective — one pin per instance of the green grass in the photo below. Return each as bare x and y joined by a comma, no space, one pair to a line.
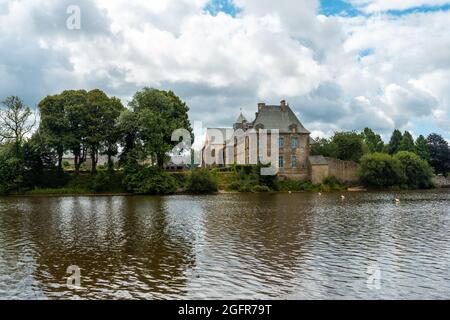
44,191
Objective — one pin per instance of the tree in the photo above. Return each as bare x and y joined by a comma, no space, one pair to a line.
160,113
15,121
417,173
324,147
102,113
422,149
54,126
349,146
380,170
394,143
372,140
111,134
407,143
12,169
439,153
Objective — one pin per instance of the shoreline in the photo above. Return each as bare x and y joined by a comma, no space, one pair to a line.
220,192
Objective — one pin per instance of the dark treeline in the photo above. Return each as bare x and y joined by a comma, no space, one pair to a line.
87,124
402,161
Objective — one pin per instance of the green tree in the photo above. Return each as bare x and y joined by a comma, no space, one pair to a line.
160,113
417,173
53,126
15,121
349,146
372,140
324,147
380,170
12,168
439,153
407,143
102,113
394,142
422,148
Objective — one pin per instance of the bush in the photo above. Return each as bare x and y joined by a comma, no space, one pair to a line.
417,173
295,185
148,180
101,182
380,170
202,182
11,170
259,188
332,183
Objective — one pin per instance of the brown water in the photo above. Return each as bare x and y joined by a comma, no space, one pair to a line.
284,246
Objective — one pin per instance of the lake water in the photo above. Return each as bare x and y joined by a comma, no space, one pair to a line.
269,246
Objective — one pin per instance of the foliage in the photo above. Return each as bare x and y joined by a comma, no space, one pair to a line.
407,143
12,171
349,146
417,173
372,140
380,170
259,188
421,148
148,180
158,114
202,181
394,143
14,121
439,153
324,147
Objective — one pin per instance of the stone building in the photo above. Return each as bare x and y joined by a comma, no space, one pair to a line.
248,142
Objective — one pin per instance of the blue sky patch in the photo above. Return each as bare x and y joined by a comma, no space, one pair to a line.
337,8
225,6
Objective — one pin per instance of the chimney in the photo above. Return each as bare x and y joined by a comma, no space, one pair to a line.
261,105
283,105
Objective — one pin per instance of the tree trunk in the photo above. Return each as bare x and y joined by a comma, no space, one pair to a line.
60,157
94,159
110,163
77,164
160,160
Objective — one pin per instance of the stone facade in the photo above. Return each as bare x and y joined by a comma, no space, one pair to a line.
242,144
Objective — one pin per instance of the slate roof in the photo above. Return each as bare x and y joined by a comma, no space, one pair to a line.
318,160
272,117
241,118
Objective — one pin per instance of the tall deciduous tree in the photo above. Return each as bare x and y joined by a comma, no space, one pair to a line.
349,145
439,153
394,142
15,121
422,149
160,113
407,143
372,140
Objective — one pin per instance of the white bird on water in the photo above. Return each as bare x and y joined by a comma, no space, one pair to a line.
342,197
320,193
397,200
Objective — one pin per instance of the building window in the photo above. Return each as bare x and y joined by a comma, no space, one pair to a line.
280,162
294,162
294,142
281,142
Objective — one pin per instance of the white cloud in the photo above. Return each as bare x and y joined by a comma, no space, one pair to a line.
371,6
337,72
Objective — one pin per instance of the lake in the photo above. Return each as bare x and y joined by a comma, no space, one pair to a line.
228,246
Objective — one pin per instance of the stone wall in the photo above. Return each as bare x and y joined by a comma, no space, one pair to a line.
346,171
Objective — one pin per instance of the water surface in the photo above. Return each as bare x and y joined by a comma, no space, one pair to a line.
268,246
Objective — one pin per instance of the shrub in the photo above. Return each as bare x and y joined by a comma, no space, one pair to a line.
332,183
101,182
259,188
201,182
148,180
380,170
417,173
11,170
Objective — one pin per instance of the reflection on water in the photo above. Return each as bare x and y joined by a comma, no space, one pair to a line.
286,246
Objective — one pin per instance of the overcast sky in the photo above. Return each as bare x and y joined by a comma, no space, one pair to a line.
341,64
